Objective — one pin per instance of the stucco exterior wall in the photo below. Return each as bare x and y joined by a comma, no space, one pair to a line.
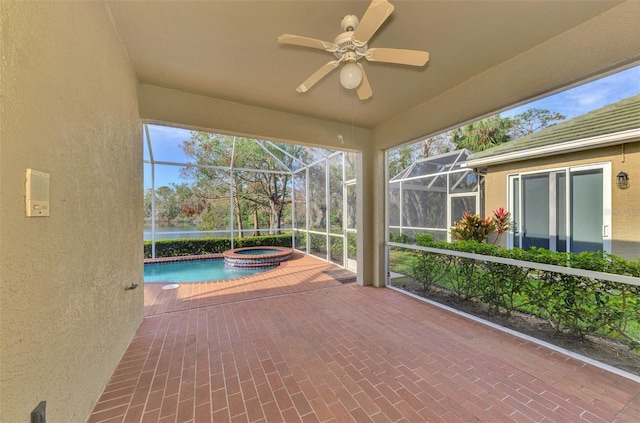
69,108
625,213
168,106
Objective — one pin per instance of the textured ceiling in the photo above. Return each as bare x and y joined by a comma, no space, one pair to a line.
228,49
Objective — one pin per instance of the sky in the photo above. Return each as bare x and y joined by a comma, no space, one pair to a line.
570,103
166,142
587,97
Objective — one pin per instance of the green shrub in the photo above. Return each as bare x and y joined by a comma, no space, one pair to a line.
402,238
318,245
424,240
502,286
429,268
352,244
199,246
575,304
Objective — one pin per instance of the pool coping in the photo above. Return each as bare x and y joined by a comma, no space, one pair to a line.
234,259
183,258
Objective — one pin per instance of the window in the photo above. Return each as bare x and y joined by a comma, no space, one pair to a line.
566,209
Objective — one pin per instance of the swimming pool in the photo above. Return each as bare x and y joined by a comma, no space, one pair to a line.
196,271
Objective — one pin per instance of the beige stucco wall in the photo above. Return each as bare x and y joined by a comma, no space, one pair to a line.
178,108
625,212
69,108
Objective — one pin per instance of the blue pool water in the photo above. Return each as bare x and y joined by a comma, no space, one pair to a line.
257,252
195,271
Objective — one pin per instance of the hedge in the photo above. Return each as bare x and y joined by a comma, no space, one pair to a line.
198,246
579,305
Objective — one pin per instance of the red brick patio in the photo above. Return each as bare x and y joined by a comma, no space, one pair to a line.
294,344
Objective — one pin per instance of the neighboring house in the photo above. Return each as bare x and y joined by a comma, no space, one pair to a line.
561,183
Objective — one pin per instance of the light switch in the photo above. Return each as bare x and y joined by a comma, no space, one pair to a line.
37,195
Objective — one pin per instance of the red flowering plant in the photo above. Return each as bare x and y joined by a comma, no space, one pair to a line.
474,228
502,220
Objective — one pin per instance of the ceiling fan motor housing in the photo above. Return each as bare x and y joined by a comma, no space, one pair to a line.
349,23
346,44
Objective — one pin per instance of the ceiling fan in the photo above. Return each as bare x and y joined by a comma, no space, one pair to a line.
351,46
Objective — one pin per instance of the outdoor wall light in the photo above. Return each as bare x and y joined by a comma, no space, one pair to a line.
622,180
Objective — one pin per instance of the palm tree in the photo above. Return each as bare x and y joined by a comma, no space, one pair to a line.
484,134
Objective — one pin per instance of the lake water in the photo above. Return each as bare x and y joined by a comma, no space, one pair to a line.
175,232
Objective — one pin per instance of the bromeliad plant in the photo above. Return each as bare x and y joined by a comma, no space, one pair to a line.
474,228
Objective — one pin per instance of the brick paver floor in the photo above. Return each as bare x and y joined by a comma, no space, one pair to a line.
300,346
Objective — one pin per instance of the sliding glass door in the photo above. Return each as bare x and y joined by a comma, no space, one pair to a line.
587,227
562,209
535,211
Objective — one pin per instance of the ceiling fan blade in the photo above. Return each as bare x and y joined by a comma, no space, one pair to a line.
317,76
375,15
364,89
399,56
306,42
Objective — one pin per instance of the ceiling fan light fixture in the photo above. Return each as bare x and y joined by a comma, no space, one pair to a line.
350,75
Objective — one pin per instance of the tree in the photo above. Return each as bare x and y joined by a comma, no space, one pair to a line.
484,134
254,193
495,130
167,204
191,204
533,120
402,157
147,202
317,195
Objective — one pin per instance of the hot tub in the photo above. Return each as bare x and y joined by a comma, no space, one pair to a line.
256,256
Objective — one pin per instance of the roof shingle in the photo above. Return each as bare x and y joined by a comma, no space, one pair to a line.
617,117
